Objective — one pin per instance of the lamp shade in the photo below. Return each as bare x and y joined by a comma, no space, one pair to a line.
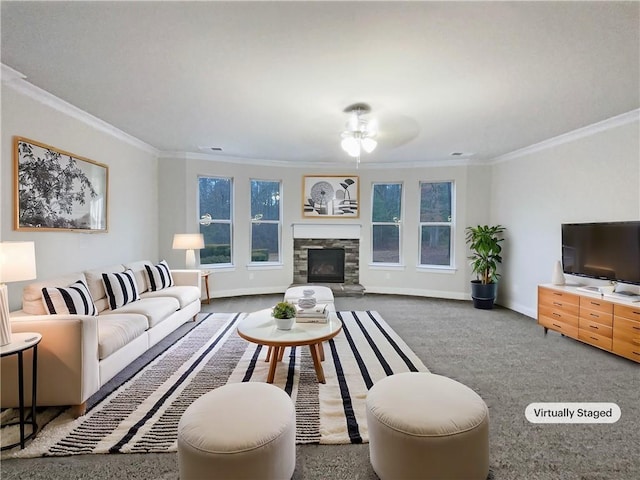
17,261
188,241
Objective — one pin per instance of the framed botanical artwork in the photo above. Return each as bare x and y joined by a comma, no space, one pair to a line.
330,196
57,190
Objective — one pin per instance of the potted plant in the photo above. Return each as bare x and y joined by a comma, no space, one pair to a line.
484,242
284,314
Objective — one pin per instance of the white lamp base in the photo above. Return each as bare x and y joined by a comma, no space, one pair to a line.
191,259
5,322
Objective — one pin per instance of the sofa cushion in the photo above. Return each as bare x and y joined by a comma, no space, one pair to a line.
140,273
32,293
96,285
115,331
159,276
74,299
155,309
121,288
185,294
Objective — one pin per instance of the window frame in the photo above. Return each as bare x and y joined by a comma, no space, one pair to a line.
398,224
451,224
230,222
254,221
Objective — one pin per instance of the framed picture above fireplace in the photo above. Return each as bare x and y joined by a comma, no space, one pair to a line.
330,196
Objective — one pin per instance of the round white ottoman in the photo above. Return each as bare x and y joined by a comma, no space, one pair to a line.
238,431
426,426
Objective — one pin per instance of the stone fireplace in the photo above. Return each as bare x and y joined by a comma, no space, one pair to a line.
321,247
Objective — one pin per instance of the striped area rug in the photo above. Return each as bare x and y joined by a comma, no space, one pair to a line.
142,415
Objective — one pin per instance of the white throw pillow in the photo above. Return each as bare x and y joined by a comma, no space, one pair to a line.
159,276
121,288
74,300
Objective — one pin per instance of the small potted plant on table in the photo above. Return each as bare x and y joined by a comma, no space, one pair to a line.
284,314
484,242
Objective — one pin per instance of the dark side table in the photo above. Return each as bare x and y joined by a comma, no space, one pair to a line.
20,343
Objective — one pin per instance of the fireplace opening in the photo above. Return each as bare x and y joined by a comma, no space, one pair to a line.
325,265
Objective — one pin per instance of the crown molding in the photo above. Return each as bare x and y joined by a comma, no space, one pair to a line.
604,125
18,82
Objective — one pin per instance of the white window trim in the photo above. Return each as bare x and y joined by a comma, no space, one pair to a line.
387,266
398,224
265,266
426,267
220,266
270,265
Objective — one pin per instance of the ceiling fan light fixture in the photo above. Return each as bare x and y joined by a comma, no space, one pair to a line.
359,135
351,145
369,144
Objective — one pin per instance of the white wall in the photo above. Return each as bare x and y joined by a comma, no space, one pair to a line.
179,189
589,179
133,192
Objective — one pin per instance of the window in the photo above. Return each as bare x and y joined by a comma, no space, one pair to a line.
215,205
436,224
265,221
386,216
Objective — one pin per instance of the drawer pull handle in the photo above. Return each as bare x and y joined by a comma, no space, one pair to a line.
636,328
593,326
595,315
556,325
557,293
594,338
595,303
558,304
558,315
635,353
635,313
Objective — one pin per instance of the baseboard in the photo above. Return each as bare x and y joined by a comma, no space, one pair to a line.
418,292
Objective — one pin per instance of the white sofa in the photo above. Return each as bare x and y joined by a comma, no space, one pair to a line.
78,354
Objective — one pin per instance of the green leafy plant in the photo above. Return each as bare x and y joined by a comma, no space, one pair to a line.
284,310
484,242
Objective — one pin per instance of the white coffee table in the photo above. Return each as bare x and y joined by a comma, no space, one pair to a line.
259,327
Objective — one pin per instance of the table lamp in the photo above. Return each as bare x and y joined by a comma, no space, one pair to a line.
17,262
188,242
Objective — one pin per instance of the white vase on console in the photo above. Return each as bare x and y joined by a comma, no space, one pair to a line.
558,275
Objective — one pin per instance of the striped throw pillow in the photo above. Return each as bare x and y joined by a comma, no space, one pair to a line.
159,276
72,300
121,288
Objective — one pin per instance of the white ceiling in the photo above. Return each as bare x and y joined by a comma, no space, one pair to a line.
270,80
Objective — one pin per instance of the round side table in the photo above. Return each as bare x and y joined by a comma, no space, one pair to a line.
20,343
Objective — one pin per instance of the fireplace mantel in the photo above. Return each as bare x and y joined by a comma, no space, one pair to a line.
326,230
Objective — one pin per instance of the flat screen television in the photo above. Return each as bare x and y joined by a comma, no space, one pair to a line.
606,251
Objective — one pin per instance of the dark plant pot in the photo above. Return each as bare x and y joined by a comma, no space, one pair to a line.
483,295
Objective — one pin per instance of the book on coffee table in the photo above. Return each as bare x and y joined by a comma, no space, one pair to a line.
317,314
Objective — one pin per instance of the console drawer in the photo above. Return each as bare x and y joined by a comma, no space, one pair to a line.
559,315
563,300
629,312
559,326
596,305
626,328
626,349
590,326
595,339
596,316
